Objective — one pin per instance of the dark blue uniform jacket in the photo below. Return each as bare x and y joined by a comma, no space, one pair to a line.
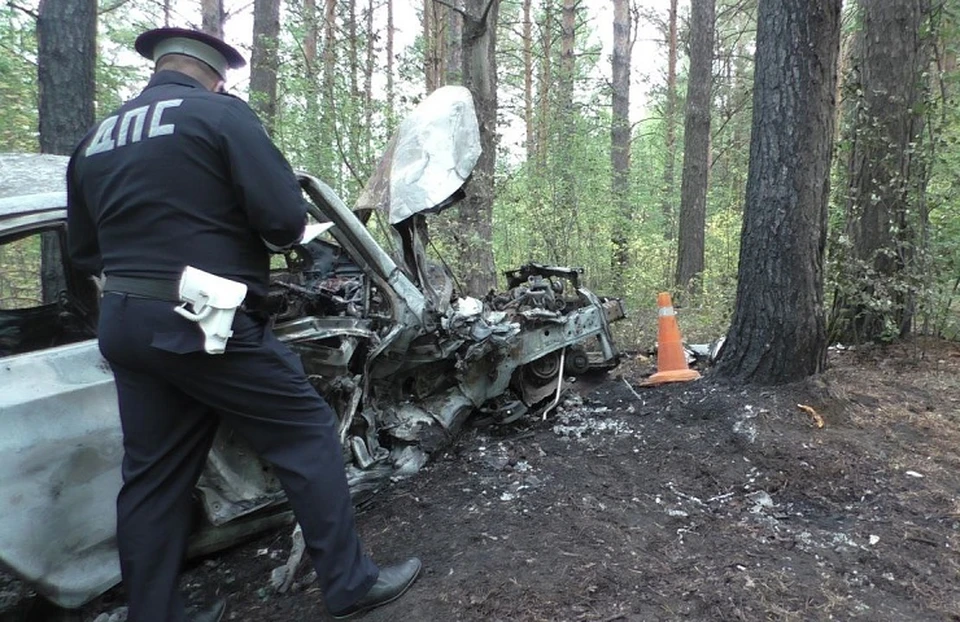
181,176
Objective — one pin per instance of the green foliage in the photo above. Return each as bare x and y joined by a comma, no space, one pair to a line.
922,245
120,75
326,133
18,81
20,286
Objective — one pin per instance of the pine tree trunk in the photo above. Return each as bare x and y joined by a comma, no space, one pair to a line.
544,87
778,330
391,98
476,211
620,140
887,176
568,23
310,37
670,124
211,12
353,114
430,60
328,105
696,148
453,48
264,61
566,197
531,145
368,70
353,54
66,61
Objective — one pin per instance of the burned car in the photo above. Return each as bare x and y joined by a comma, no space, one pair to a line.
404,361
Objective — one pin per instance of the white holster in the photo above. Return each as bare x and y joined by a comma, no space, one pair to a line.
213,301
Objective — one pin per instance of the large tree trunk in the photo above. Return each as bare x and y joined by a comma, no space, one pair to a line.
696,148
778,331
670,124
264,61
620,140
476,211
66,61
886,176
211,14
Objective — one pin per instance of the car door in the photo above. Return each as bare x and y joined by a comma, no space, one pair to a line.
60,439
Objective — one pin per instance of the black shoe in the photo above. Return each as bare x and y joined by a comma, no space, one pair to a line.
391,584
213,613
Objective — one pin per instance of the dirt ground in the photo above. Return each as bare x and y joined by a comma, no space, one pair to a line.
698,501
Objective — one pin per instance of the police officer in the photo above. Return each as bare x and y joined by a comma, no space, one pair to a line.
184,175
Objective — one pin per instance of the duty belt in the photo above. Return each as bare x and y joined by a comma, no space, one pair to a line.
158,289
166,289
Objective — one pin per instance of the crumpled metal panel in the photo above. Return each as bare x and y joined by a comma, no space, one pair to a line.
437,146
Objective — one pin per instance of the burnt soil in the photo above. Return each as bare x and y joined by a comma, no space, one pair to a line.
699,501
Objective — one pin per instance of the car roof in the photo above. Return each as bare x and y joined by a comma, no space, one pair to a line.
31,173
31,183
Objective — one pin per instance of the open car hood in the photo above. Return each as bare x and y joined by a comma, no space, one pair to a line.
429,159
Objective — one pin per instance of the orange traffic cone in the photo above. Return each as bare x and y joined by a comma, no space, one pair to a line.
671,362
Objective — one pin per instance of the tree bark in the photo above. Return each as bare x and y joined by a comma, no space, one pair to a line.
476,211
368,70
353,54
211,12
568,25
310,36
453,48
670,124
887,176
544,87
778,330
620,139
391,98
566,198
431,54
696,148
328,106
66,61
528,118
264,61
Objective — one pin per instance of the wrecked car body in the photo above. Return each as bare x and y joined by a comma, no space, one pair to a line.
403,361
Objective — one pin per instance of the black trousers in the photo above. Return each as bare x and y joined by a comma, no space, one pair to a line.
172,397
